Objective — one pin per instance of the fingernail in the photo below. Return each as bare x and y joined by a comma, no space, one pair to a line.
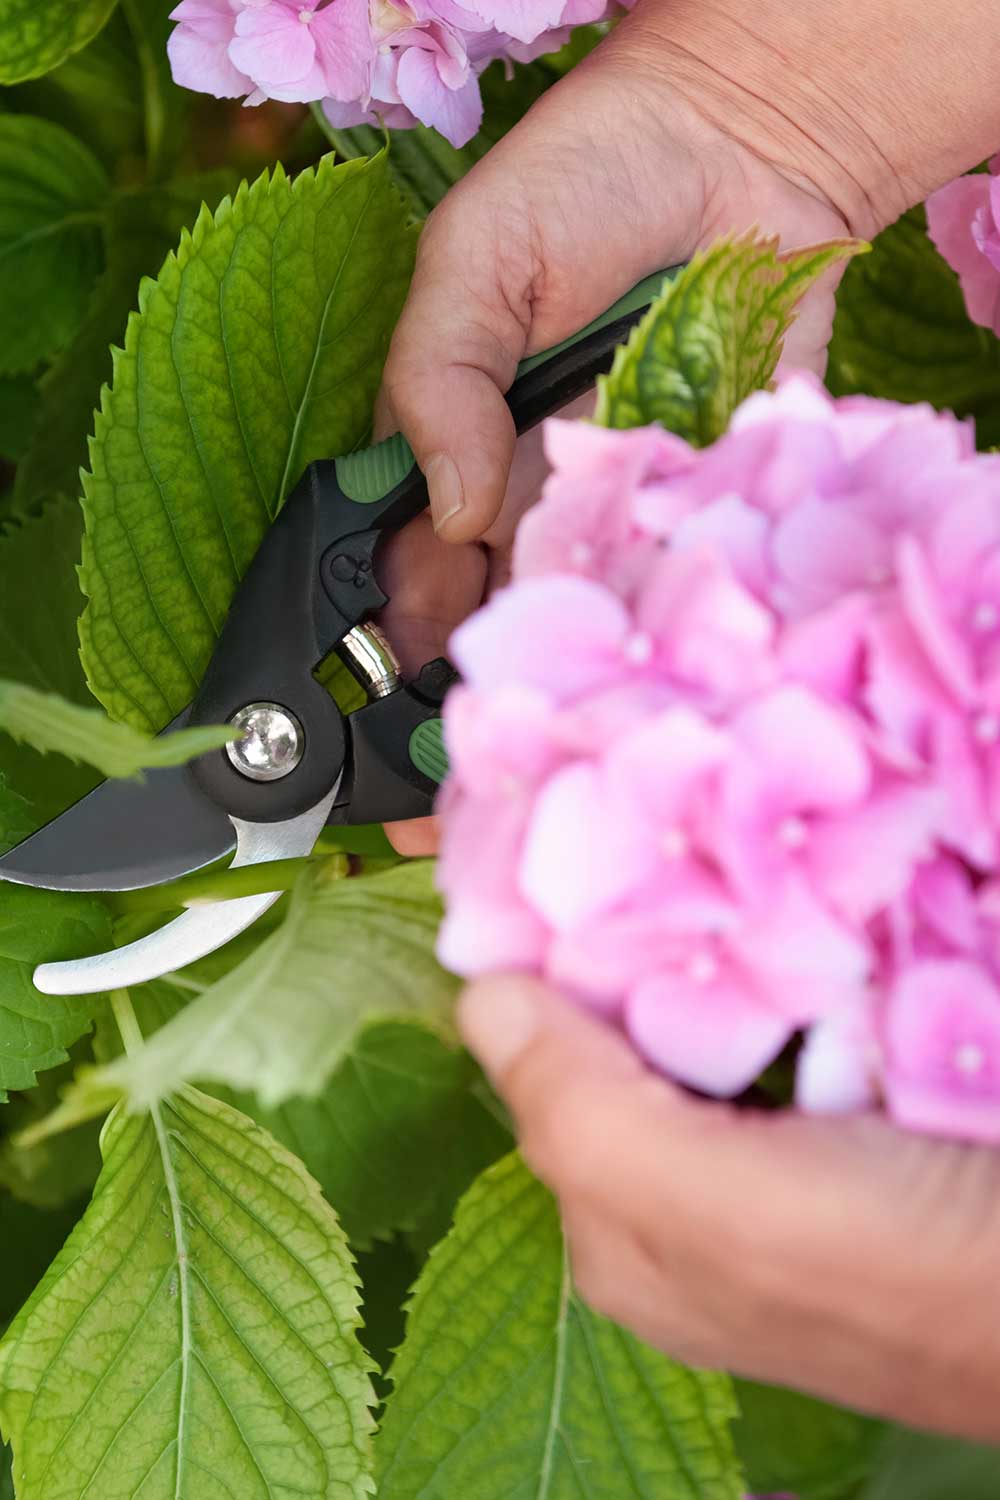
444,484
499,1019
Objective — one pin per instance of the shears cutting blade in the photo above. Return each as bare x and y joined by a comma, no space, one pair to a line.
300,763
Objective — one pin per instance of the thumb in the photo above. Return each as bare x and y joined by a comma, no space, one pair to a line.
573,206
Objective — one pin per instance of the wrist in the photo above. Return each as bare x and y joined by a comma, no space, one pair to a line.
869,107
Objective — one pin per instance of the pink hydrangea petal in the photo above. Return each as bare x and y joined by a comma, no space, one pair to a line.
524,20
837,1069
577,861
272,46
716,1036
561,635
344,46
825,650
727,526
456,112
200,63
927,614
950,215
806,753
806,960
822,551
942,1050
866,858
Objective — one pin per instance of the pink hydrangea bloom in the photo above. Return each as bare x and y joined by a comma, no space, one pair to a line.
726,761
398,62
964,222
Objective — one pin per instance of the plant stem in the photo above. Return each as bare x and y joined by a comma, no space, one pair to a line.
212,885
121,1007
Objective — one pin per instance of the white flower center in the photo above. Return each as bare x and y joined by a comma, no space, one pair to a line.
675,843
986,728
969,1058
703,968
305,16
793,832
638,648
581,554
985,616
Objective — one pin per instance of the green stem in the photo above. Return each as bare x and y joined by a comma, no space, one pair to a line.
121,1008
212,885
153,103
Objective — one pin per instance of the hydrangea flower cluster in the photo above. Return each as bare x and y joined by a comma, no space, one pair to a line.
394,61
964,222
726,756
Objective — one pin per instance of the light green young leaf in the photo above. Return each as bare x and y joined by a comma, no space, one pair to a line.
713,336
280,1022
397,1135
197,1335
507,1385
52,193
140,229
790,1442
35,38
40,601
902,332
258,348
47,722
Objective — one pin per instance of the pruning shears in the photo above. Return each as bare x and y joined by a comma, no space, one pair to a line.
300,763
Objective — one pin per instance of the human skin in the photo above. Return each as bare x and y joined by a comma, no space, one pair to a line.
841,1257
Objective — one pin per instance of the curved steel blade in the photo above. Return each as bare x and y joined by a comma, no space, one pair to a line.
199,930
124,835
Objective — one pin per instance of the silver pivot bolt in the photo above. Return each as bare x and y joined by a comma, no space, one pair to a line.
272,745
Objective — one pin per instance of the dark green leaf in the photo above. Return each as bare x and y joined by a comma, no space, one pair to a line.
165,105
35,38
259,348
902,332
16,820
18,405
40,602
94,94
37,926
52,195
140,228
35,1030
789,1442
29,1238
921,1466
6,1478
508,1388
712,336
50,1173
397,1135
388,1271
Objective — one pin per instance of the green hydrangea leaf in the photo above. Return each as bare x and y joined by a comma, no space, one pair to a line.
140,228
790,1442
924,1466
713,336
37,926
197,1334
35,38
902,332
52,190
49,1174
507,1385
258,348
40,602
36,1030
18,408
47,722
397,1135
281,1021
6,1477
29,1238
16,820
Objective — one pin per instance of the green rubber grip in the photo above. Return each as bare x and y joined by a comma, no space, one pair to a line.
427,751
373,472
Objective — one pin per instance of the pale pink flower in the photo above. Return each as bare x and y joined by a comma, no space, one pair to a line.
198,48
297,51
963,219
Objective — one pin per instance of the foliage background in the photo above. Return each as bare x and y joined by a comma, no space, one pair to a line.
329,1076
